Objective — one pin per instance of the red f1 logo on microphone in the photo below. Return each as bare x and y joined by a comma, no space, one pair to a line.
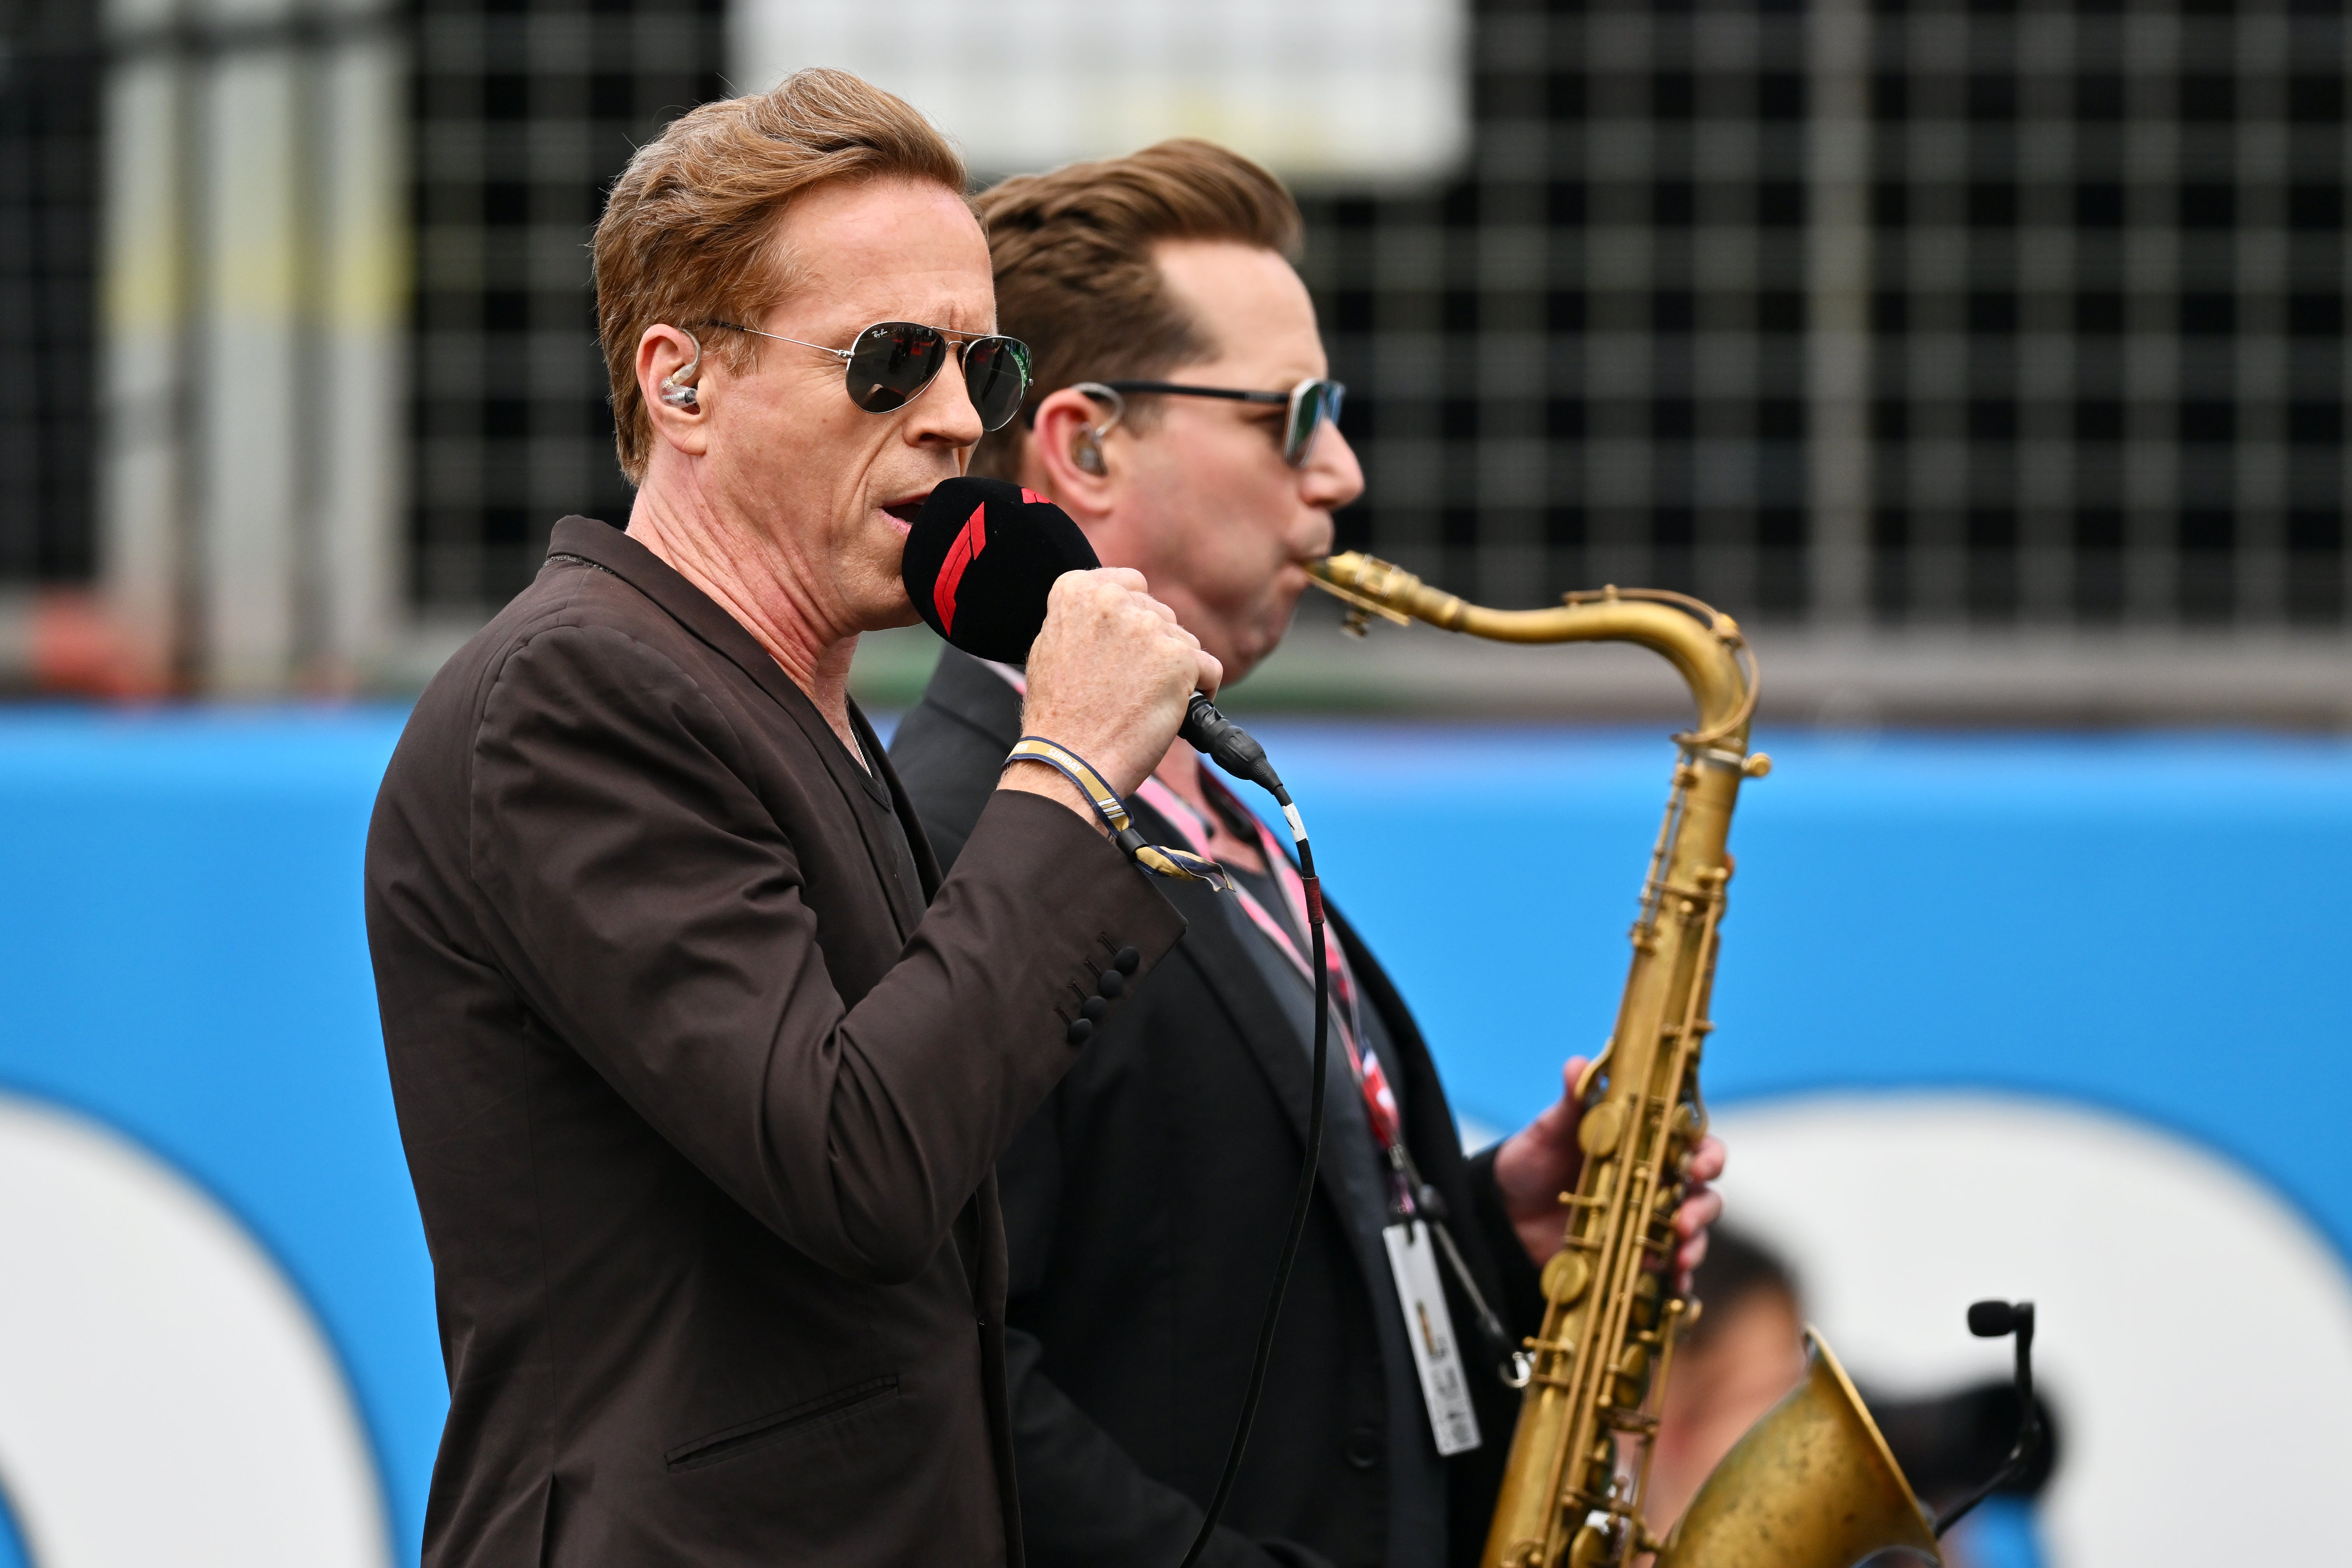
970,543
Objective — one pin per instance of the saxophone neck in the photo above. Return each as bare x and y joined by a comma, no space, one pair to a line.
1703,643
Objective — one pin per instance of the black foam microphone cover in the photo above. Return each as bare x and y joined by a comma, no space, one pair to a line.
980,562
1992,1319
981,559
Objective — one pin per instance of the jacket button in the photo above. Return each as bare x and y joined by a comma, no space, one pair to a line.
1363,1448
1128,961
1079,1033
1110,982
1094,1007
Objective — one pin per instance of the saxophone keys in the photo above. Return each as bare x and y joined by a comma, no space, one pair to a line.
1592,1547
1565,1277
1600,1128
1632,1376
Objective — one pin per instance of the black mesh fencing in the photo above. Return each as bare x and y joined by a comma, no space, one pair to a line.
49,226
524,114
2106,275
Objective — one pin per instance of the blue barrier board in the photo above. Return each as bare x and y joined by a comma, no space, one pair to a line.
2099,919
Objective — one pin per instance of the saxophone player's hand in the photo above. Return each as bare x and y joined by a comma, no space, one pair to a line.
1541,1161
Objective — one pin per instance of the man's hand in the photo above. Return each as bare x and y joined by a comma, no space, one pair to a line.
1541,1161
1108,677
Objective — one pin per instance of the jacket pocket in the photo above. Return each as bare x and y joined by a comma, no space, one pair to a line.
719,1446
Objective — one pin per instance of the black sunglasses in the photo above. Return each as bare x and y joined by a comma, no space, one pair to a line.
1311,402
891,362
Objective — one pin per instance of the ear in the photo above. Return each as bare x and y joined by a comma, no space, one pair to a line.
1063,427
667,360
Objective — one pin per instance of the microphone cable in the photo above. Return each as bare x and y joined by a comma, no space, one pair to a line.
1232,749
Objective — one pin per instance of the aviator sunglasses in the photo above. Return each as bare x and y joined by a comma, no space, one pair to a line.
1311,402
891,362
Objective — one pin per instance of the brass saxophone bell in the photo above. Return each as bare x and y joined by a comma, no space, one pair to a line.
1811,1485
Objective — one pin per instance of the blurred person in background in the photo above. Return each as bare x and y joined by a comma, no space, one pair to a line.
701,1068
1181,415
1747,1350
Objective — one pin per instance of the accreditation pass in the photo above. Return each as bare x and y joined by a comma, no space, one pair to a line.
1444,1388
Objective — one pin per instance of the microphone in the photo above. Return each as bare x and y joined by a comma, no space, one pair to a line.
981,559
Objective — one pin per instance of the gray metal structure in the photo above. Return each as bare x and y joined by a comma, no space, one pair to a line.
524,116
253,275
1990,360
1987,354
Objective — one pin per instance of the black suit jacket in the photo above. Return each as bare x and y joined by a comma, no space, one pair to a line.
701,1101
1145,1207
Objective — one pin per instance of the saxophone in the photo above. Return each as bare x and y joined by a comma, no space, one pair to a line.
1811,1485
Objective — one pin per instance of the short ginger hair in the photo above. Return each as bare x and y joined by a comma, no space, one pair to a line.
1076,276
688,234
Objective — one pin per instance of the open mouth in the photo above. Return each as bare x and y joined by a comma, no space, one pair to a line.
903,512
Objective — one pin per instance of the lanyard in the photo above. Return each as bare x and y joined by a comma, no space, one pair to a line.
1371,1079
1379,1103
1371,1082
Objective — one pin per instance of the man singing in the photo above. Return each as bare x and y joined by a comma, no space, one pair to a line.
702,1066
1180,412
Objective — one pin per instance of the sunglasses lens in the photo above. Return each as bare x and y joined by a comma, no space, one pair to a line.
892,362
996,373
1320,402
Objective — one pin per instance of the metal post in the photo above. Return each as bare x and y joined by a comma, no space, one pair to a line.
255,274
361,307
253,399
144,311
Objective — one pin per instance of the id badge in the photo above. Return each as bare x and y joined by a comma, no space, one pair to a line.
1444,1388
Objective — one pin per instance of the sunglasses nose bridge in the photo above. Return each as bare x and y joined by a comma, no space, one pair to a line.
902,360
951,353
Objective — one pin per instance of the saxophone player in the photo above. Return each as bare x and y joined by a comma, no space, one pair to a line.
1181,412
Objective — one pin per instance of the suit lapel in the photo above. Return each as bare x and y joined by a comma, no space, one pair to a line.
695,610
1231,973
978,696
927,864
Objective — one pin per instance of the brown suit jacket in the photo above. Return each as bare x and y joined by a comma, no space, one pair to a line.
701,1101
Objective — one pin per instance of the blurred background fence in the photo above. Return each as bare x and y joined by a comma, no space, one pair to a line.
1994,355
